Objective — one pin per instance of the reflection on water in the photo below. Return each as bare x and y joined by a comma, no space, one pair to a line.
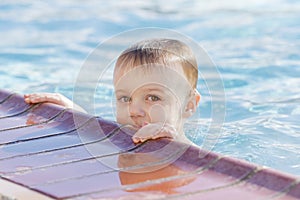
136,168
256,45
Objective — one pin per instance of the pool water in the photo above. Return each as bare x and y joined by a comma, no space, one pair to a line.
255,45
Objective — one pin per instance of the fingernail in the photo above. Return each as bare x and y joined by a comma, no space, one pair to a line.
143,140
135,139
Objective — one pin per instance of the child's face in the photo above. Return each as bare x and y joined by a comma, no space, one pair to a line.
156,94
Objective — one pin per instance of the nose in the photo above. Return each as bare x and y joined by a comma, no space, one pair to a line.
136,109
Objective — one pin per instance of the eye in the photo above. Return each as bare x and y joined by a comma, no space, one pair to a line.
124,99
152,98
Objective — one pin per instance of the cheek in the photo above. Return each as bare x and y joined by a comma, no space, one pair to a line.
164,113
158,113
175,112
121,114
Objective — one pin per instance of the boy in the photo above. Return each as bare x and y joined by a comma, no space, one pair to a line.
155,88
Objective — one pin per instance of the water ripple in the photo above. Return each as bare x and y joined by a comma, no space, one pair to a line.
254,43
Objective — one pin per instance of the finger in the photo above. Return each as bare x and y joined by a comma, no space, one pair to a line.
27,100
35,98
154,131
162,134
136,139
141,136
145,132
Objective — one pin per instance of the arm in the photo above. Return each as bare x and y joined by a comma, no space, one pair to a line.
55,98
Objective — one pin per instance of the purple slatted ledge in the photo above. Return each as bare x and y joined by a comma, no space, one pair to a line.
47,152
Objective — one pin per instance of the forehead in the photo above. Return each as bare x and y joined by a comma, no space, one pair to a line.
155,75
149,70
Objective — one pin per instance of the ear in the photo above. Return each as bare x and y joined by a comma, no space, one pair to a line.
192,104
197,96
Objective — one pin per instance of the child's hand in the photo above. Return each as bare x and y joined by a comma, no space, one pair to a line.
154,131
48,97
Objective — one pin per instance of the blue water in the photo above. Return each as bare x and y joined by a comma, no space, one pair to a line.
254,43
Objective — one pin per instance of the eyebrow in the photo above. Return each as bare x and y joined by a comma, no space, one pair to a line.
148,90
120,91
155,89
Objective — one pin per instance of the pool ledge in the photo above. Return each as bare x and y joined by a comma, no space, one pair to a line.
48,152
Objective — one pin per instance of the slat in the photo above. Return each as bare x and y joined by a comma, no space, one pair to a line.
13,105
37,115
9,191
292,193
64,135
4,95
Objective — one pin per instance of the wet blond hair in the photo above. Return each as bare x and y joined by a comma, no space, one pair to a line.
167,52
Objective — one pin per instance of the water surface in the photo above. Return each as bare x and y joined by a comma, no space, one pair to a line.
255,45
